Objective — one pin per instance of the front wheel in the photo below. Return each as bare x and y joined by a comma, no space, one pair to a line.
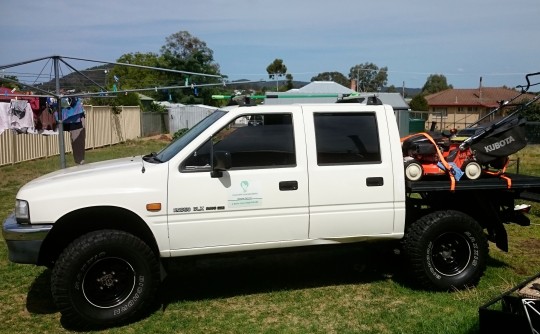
446,250
104,277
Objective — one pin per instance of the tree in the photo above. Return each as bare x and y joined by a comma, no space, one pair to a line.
391,89
127,77
9,84
531,112
369,77
276,70
289,84
332,76
435,83
419,103
185,52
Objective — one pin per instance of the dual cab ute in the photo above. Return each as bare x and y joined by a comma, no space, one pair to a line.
244,179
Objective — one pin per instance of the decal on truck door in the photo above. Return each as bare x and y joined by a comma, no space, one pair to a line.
245,194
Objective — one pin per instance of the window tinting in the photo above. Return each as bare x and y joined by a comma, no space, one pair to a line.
346,138
254,141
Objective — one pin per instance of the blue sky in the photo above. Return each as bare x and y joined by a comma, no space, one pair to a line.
462,39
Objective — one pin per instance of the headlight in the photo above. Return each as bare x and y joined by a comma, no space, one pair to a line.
22,211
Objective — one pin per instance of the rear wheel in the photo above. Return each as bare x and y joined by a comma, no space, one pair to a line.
104,277
413,170
446,250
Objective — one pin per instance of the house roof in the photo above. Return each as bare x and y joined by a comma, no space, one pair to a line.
314,92
323,87
394,99
484,96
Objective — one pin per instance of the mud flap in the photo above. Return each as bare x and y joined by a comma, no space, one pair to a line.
498,235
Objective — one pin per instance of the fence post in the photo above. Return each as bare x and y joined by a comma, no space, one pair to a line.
13,148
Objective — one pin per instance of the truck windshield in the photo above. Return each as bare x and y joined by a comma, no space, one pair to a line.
176,146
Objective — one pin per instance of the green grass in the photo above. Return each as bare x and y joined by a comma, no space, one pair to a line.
322,290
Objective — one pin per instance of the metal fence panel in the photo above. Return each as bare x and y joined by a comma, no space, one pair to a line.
154,123
185,117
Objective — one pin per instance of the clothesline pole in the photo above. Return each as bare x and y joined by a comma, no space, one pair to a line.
61,144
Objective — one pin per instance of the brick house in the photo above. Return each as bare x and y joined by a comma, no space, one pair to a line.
459,108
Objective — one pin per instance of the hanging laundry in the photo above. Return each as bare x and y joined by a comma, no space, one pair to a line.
44,122
5,117
72,109
22,117
18,108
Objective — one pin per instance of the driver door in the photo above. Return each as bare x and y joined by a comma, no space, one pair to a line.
262,198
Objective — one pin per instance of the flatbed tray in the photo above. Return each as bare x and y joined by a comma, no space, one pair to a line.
442,183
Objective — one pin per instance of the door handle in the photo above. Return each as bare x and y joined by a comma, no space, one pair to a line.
288,185
374,181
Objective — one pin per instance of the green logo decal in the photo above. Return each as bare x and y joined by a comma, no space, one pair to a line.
244,185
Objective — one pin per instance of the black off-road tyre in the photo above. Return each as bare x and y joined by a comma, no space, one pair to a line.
446,250
104,278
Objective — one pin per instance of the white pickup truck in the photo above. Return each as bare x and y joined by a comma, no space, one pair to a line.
251,178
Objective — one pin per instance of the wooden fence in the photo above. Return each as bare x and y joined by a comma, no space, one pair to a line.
103,128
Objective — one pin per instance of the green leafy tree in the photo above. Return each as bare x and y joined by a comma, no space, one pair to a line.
9,84
185,52
276,70
531,112
181,52
128,77
332,76
117,100
289,83
419,103
435,83
370,77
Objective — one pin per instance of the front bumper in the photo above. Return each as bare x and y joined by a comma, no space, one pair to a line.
24,241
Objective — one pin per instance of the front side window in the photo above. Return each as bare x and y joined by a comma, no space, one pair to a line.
176,146
254,141
346,138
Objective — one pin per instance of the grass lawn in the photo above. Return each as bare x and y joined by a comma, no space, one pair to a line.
323,290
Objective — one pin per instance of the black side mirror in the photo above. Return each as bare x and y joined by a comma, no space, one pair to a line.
221,162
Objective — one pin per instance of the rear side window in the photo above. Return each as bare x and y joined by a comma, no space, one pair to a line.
346,138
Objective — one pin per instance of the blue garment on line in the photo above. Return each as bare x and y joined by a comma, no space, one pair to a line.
72,113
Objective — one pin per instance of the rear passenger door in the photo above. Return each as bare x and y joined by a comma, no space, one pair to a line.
350,176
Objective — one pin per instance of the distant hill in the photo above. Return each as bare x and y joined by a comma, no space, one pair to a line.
264,85
98,74
78,82
408,92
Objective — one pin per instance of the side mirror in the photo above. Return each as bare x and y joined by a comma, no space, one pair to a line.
221,162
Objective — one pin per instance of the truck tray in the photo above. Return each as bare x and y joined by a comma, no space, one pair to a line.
442,183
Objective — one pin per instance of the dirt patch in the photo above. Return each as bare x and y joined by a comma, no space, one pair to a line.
161,137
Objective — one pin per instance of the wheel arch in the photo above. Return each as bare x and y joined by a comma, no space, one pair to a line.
82,221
